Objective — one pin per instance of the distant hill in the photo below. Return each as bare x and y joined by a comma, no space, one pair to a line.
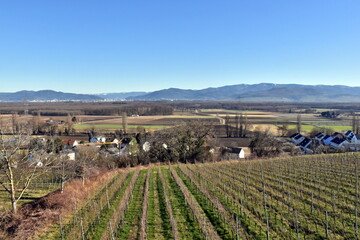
263,92
46,95
120,96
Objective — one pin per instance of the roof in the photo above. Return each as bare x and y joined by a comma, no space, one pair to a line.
126,140
233,142
338,141
234,150
70,142
298,136
294,135
320,135
348,133
337,133
305,142
326,137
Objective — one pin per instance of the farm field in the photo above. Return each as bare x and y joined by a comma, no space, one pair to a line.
110,127
262,119
308,197
335,128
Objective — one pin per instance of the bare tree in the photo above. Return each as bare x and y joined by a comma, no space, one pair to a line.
355,125
124,122
65,173
227,125
298,123
36,123
246,125
69,125
265,145
283,130
85,162
237,123
18,165
15,122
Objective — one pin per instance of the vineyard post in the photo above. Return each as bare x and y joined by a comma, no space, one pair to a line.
237,227
75,211
312,202
111,231
333,205
82,229
61,229
297,225
327,224
107,196
265,209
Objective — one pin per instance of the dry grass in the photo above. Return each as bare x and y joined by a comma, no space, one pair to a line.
37,217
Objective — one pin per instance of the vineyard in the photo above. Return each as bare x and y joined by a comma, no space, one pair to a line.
309,197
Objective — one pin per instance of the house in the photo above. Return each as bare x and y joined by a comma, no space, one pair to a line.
305,145
112,151
70,155
146,146
125,141
319,137
99,139
115,141
297,138
337,143
337,135
350,137
71,143
35,159
327,139
232,153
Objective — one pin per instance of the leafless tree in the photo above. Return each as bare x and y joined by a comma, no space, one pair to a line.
124,122
298,123
18,165
85,162
265,145
227,125
283,130
355,124
69,125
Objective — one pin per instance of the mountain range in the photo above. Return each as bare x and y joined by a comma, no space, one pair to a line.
263,92
46,95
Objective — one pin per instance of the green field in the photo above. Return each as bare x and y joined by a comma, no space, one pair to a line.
113,126
335,128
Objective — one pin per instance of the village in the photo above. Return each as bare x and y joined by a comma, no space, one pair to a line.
341,142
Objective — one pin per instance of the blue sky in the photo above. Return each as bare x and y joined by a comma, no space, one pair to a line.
117,46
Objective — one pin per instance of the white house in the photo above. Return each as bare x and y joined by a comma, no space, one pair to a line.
71,143
234,153
146,146
297,138
351,137
327,140
70,155
99,139
337,143
116,142
319,137
305,145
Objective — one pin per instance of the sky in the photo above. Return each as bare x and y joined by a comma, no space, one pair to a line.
86,46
